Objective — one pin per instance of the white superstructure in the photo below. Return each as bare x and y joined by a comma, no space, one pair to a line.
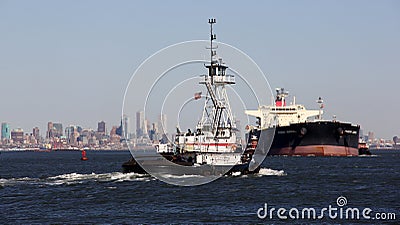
281,114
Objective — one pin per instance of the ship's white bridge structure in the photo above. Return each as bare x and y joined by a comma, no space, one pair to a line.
282,114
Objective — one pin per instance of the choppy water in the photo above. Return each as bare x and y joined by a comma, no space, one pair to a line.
57,187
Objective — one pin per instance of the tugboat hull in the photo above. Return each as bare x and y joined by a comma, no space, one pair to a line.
132,166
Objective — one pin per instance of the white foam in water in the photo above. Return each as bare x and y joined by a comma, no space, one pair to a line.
368,156
13,181
74,178
182,176
103,177
120,177
271,172
235,174
3,181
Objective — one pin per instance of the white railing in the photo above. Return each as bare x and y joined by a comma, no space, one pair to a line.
227,79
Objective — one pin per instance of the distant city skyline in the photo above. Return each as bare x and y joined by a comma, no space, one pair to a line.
71,62
117,137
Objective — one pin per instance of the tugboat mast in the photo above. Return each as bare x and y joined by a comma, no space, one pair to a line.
212,37
219,120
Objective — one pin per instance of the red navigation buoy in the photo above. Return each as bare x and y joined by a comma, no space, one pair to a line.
84,158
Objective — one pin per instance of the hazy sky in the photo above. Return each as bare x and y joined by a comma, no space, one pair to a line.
70,61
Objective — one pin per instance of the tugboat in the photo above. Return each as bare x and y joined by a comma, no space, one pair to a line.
214,141
298,134
363,148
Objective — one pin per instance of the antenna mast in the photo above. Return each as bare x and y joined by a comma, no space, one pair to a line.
212,37
218,115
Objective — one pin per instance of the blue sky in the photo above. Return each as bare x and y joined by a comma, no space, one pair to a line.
70,61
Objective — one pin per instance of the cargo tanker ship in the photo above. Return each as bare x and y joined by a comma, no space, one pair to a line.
303,132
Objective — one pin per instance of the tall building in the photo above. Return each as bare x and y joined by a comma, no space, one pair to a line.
119,130
153,132
35,133
114,137
72,134
79,129
17,135
162,125
139,124
113,130
371,136
5,131
87,136
68,133
57,130
146,129
101,127
49,133
126,127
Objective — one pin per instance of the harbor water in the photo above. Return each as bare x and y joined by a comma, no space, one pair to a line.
57,187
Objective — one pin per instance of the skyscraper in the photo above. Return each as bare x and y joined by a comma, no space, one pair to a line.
114,137
101,127
126,128
371,136
35,133
119,130
69,131
146,129
49,133
5,131
72,134
139,124
57,130
162,125
17,135
79,129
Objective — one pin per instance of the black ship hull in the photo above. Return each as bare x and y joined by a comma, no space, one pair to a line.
320,138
